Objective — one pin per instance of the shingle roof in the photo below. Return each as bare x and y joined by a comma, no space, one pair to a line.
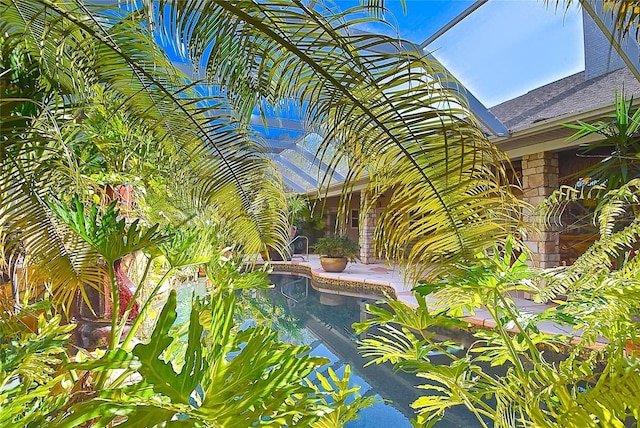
570,95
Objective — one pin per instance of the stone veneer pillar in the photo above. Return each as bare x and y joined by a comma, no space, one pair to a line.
367,229
539,180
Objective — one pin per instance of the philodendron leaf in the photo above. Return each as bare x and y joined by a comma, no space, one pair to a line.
251,377
106,232
336,398
102,413
154,416
159,373
115,359
426,288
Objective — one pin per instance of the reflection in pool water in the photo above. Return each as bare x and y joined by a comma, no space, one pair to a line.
304,316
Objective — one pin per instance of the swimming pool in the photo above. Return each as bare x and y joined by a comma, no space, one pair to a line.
322,321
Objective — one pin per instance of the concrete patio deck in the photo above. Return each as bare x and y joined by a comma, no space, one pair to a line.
371,280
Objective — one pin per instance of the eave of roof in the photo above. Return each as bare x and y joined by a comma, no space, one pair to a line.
535,119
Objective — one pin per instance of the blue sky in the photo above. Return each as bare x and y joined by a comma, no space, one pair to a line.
508,47
503,49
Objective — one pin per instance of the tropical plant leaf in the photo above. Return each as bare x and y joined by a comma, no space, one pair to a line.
338,398
112,359
262,377
31,385
107,232
188,246
160,374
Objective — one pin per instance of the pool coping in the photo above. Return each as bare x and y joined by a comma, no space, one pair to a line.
334,283
354,284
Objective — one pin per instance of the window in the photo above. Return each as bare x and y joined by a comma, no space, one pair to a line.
354,219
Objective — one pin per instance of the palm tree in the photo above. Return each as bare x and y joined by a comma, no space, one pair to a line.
74,47
389,115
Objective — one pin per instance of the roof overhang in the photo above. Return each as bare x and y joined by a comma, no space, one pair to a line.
551,135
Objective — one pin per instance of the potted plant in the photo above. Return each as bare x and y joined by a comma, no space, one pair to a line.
336,251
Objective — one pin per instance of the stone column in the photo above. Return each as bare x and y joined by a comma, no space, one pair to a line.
539,180
367,228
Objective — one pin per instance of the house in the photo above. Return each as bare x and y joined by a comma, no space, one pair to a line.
537,143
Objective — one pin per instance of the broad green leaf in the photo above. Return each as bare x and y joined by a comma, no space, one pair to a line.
160,373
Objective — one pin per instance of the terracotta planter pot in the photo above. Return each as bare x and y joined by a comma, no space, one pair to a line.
333,264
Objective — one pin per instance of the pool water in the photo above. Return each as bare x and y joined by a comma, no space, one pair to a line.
302,317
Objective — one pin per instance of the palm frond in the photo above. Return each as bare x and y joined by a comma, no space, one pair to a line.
33,168
75,47
625,15
619,235
395,117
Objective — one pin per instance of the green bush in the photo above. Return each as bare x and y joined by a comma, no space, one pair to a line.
337,246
